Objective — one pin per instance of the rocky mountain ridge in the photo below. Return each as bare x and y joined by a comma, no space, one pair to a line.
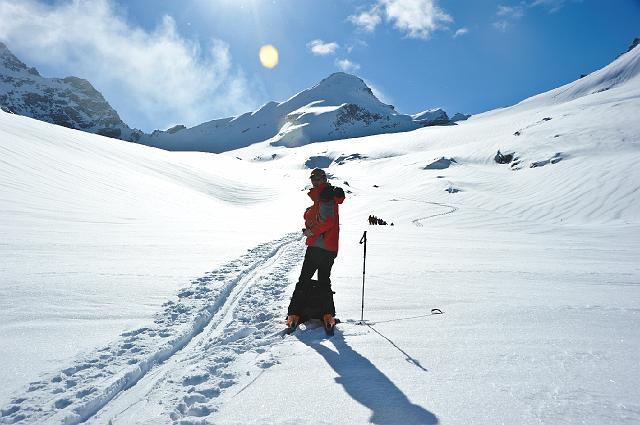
338,107
70,102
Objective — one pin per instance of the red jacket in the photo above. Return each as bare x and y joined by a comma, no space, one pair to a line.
322,217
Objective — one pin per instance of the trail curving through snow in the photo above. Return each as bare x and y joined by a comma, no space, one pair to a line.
418,221
174,369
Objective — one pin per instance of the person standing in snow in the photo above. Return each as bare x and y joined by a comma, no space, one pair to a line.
322,229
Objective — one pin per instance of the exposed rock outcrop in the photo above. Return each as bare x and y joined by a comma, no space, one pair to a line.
431,117
70,102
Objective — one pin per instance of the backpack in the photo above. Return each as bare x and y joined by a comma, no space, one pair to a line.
335,193
316,301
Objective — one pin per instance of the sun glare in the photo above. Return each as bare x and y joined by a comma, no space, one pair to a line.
269,56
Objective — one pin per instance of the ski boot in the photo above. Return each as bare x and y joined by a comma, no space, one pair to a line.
329,324
293,320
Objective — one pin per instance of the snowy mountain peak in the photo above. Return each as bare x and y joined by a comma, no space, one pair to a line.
432,116
342,81
70,102
83,86
9,62
339,106
634,44
340,88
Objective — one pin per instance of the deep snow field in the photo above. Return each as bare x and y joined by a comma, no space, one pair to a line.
142,286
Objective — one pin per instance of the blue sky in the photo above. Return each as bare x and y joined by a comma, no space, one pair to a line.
166,62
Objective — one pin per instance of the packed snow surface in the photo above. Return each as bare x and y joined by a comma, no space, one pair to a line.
142,286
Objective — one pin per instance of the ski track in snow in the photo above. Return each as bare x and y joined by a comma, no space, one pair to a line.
185,352
418,221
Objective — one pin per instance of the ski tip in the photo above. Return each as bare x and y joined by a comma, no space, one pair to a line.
436,311
288,331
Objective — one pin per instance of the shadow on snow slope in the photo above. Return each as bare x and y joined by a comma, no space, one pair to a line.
370,387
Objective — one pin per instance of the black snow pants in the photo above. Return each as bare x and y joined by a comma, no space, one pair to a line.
313,298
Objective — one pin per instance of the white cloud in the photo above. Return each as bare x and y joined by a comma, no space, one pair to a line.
156,74
510,11
356,44
377,92
367,20
320,48
553,5
501,25
460,32
415,18
507,15
346,65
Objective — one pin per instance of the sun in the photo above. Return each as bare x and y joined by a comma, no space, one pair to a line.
269,56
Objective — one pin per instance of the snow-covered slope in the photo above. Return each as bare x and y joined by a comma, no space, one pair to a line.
572,162
340,106
70,102
624,71
128,295
97,233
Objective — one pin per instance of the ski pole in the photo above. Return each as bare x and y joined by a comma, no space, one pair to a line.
363,240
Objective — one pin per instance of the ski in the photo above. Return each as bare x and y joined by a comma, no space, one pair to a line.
329,328
289,330
292,325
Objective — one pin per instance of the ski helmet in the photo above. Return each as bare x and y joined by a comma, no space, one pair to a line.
318,173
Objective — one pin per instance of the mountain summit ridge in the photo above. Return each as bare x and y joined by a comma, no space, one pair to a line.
340,106
341,87
70,102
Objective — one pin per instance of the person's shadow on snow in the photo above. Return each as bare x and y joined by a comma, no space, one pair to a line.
370,387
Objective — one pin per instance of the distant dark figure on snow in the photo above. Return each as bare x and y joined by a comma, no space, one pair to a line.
375,221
